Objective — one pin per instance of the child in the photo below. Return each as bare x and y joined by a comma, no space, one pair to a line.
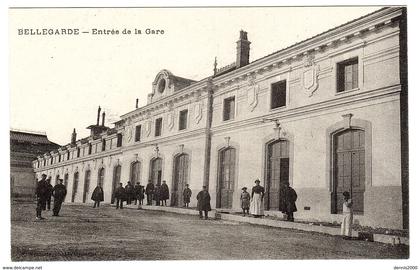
347,216
245,199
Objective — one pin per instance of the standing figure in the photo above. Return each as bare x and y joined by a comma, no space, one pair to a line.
129,191
137,193
150,188
203,203
47,203
120,196
156,194
245,201
59,193
257,196
97,195
141,196
187,195
164,192
41,196
291,198
347,216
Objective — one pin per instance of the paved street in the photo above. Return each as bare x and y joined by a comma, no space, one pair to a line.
84,233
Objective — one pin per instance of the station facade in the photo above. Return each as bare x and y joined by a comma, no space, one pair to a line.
326,115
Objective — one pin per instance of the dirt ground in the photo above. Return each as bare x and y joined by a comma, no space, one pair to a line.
83,233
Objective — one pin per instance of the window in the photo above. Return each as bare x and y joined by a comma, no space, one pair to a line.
103,145
45,162
68,155
90,149
229,108
138,133
347,75
119,140
158,127
51,160
78,151
183,116
278,94
59,158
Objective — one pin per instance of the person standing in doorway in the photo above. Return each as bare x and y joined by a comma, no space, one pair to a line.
137,193
291,198
120,196
59,192
157,194
203,203
97,195
47,204
129,192
347,216
164,192
257,196
187,195
245,201
150,188
41,192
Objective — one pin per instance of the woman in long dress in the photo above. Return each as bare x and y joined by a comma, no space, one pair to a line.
257,197
347,216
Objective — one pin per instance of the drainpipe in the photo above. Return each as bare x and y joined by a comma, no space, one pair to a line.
207,146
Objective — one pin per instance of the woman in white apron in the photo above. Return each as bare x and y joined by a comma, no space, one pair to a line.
257,196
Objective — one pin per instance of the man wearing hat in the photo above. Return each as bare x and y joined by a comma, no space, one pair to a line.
203,203
41,192
187,195
59,193
164,192
47,203
257,196
245,200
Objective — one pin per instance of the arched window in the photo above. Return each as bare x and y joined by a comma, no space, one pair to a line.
75,186
86,186
116,179
180,178
101,176
135,172
156,170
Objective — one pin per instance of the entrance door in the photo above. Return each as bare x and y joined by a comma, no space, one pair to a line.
226,181
277,171
180,179
349,166
86,186
75,186
135,173
156,171
115,181
101,176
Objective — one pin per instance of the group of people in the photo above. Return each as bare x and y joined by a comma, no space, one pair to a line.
253,203
250,203
44,191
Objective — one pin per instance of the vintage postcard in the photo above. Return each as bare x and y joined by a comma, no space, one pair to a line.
209,133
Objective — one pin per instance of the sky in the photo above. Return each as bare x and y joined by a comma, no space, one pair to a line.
57,82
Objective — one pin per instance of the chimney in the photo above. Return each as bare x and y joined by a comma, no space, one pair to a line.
73,136
99,115
137,103
103,119
242,50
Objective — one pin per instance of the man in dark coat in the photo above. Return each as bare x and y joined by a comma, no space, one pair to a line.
282,200
164,192
97,195
156,194
187,195
41,196
120,196
291,198
203,203
150,188
137,193
47,203
129,192
59,192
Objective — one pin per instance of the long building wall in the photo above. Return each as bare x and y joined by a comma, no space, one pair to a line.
234,112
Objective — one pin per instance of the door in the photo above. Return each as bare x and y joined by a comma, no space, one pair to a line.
349,169
227,158
156,171
180,179
86,186
277,172
101,176
66,180
115,181
75,186
135,173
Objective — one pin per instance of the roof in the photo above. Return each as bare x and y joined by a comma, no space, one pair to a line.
26,137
